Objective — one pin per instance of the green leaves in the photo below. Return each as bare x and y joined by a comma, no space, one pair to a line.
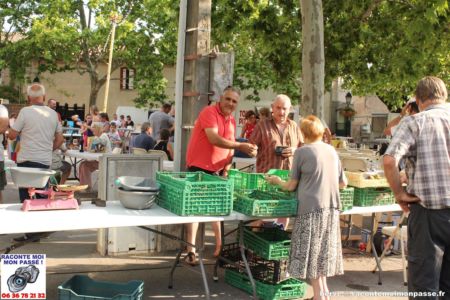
379,47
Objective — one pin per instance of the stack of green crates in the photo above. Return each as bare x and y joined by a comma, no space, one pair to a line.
255,197
288,289
347,196
195,194
269,249
373,196
269,243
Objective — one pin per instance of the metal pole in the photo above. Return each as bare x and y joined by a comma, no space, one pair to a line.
108,74
179,85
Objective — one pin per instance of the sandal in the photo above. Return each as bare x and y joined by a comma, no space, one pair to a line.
190,259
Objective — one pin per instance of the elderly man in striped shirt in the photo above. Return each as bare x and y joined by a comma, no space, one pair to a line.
276,138
424,141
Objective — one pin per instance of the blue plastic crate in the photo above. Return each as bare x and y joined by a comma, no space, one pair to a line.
81,287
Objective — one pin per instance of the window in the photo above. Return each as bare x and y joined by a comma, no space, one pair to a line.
127,78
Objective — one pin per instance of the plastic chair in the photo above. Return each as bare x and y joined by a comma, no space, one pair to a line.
159,152
139,151
143,151
401,233
117,151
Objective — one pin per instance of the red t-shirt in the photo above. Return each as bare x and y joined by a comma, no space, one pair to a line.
200,152
248,130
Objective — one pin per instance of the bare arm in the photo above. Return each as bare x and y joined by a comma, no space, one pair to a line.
12,134
394,122
57,142
289,185
218,141
393,177
170,150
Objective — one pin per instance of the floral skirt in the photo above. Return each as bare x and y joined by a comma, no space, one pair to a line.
316,245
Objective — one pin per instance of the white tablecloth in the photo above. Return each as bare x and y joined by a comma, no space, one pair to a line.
14,220
83,155
368,210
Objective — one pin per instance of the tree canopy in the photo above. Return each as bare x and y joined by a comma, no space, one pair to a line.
380,47
73,35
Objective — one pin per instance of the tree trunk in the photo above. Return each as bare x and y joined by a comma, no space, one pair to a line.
93,94
313,58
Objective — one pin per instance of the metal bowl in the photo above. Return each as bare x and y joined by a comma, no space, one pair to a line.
136,199
133,183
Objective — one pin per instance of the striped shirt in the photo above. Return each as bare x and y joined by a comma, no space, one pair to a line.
267,137
424,141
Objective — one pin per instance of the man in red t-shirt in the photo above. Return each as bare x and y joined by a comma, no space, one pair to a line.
211,149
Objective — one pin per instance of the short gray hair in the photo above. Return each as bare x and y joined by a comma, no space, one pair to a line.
145,126
231,88
431,88
283,98
36,90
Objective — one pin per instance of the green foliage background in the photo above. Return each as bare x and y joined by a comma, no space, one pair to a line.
380,47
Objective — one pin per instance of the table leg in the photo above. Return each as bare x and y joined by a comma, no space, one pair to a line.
390,239
349,230
374,227
177,259
247,267
199,248
200,259
370,246
216,265
73,164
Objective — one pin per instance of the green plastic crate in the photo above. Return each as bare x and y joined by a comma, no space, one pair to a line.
267,271
244,181
265,204
373,196
81,287
347,196
269,243
288,289
195,194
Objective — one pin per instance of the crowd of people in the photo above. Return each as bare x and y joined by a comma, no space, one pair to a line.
421,138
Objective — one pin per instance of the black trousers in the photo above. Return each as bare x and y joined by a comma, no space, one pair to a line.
429,252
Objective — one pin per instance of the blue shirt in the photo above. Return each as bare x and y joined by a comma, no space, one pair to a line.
144,141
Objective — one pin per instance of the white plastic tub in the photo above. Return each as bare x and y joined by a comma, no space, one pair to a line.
30,177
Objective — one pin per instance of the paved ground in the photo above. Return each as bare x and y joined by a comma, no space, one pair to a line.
74,252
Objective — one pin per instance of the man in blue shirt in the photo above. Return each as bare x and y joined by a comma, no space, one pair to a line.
144,140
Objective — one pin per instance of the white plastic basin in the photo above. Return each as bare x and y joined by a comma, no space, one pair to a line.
30,177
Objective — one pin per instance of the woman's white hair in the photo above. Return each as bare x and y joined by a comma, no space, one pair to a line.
36,90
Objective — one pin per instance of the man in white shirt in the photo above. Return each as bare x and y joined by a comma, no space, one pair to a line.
40,133
4,122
